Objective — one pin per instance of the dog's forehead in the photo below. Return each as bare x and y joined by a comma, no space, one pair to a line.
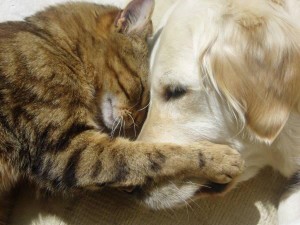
176,55
174,60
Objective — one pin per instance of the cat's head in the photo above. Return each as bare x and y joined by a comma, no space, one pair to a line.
125,93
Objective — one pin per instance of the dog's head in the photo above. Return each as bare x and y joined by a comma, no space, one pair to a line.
224,71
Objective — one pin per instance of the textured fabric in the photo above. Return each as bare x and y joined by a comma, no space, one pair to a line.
252,203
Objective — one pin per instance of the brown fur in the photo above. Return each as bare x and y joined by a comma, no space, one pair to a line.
55,69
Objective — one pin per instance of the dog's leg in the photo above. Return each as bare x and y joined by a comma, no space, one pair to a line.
289,207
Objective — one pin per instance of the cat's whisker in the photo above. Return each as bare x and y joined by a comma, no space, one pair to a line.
180,197
115,128
134,124
115,121
193,183
133,121
112,132
124,126
144,108
134,106
121,124
193,201
118,119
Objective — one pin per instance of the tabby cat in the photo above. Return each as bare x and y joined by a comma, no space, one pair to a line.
70,76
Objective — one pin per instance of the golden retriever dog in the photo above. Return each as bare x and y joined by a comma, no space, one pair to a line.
228,71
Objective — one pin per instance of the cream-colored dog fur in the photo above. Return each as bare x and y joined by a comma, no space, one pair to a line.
231,72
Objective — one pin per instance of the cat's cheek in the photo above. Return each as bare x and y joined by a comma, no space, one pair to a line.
108,111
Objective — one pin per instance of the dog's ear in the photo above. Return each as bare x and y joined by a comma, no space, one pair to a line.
135,17
257,69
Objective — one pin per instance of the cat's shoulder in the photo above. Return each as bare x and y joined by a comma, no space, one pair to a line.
9,29
70,9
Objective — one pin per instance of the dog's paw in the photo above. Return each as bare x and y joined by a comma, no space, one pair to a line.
220,163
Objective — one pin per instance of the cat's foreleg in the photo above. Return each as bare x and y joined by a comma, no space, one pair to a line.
94,159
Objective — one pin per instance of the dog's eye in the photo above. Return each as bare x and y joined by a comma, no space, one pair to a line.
174,92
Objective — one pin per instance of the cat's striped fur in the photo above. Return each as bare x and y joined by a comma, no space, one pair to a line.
56,69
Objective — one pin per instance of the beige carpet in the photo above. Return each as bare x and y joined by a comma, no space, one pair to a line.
253,203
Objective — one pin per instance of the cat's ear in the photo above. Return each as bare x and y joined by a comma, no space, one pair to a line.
136,16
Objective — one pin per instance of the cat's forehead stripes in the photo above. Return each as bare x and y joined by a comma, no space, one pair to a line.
105,23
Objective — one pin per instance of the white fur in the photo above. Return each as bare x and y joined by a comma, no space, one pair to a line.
289,210
109,110
47,220
191,29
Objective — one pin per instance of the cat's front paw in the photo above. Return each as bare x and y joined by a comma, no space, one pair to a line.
220,163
